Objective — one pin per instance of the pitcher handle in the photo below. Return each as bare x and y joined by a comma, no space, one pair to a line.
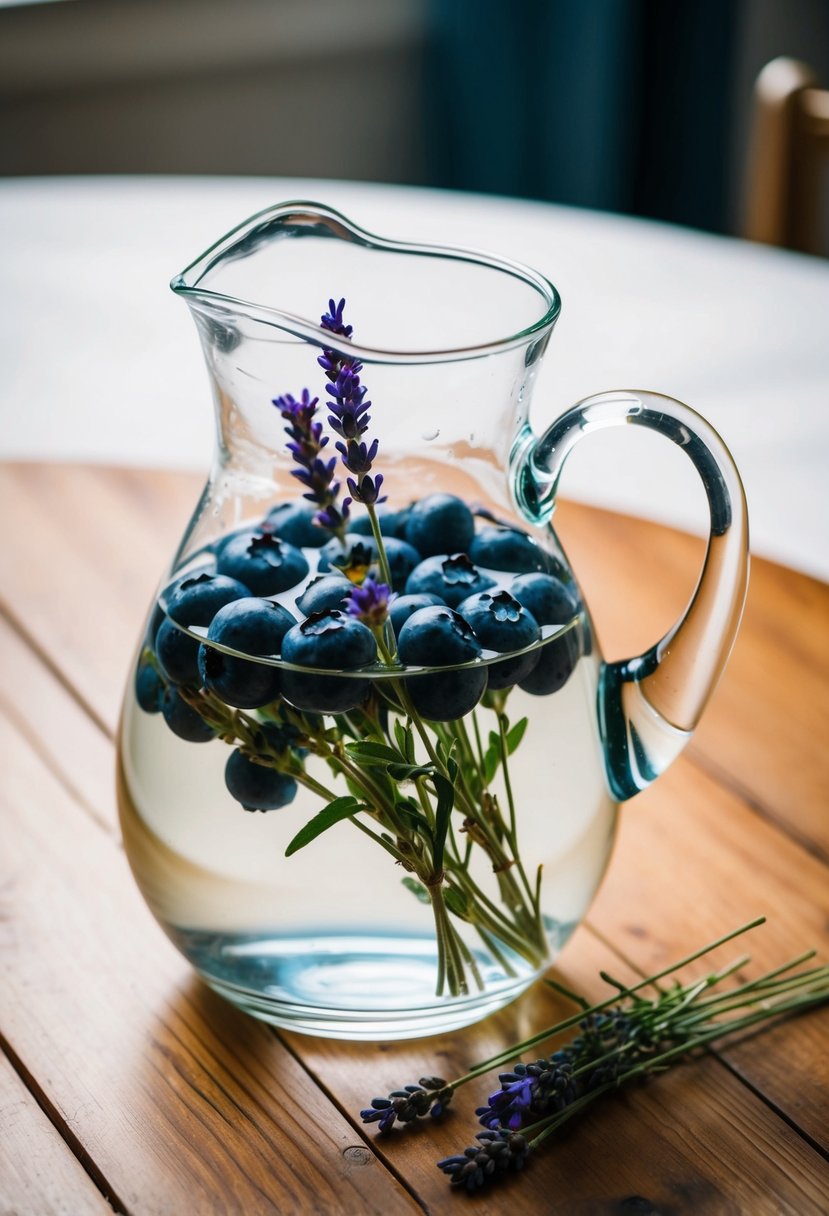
649,705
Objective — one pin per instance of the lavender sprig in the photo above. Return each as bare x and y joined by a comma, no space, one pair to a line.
306,443
626,1037
349,417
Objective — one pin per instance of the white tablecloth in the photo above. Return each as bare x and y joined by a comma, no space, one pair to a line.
99,361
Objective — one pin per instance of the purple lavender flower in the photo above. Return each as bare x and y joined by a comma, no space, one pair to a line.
430,1097
306,442
370,603
349,417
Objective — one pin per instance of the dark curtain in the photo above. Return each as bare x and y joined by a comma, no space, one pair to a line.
616,104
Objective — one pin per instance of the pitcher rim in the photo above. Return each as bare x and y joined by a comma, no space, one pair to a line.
186,285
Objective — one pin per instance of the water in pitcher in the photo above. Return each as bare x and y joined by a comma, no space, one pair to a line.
339,934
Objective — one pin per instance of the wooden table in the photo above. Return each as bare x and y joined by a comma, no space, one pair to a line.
128,1085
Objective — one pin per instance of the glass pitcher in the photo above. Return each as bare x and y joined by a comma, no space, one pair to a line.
371,633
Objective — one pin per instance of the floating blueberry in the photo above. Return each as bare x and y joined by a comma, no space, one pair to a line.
334,641
453,579
325,591
353,551
556,663
294,522
500,623
196,600
251,626
262,562
183,720
403,607
546,597
440,523
392,523
439,637
257,786
402,559
149,687
499,548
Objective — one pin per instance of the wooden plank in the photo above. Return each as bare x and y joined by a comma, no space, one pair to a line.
38,1173
692,861
184,1104
764,730
693,1140
102,538
57,727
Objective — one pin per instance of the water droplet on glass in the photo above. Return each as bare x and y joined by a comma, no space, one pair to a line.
433,434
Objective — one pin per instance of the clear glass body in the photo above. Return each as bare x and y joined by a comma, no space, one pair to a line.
346,937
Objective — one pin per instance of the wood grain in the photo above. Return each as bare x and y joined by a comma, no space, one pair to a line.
182,1104
182,1108
38,1172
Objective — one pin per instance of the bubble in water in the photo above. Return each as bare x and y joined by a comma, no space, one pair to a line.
433,434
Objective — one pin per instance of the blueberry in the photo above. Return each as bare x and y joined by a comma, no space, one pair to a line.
402,558
555,665
294,522
149,687
251,626
183,720
438,637
334,641
353,550
403,607
262,562
440,523
452,579
499,548
546,597
196,600
325,591
177,653
392,523
257,786
500,623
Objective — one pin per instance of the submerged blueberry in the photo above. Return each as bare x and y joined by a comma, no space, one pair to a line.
257,786
254,627
451,578
500,548
262,562
177,654
149,687
438,637
183,720
294,522
556,662
440,523
500,623
334,641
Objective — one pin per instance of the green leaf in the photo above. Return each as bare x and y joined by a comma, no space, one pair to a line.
407,772
515,735
369,753
405,740
492,758
445,801
417,889
413,816
340,808
456,902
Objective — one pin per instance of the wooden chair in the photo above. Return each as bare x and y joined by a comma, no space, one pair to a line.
789,155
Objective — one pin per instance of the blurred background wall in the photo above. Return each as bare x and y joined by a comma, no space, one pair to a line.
639,106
